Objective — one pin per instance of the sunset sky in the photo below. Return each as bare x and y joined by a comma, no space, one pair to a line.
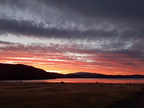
66,36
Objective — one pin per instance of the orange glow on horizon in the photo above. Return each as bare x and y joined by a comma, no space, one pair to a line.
64,64
72,69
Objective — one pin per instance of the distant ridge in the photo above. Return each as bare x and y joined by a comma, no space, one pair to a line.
87,74
97,75
22,72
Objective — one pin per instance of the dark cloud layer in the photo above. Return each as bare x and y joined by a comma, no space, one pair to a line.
112,8
105,18
29,28
78,19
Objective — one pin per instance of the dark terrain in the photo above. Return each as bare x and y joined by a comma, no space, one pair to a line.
24,72
67,95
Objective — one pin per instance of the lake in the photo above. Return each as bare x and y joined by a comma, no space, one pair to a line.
88,80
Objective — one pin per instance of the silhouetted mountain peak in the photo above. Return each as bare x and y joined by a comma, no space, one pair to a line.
20,71
87,74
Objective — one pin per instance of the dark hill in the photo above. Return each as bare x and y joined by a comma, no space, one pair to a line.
22,72
97,75
88,75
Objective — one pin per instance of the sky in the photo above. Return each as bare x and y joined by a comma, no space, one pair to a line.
66,36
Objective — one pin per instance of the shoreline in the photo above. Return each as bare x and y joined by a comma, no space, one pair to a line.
84,80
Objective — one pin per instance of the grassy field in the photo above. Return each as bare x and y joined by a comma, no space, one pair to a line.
65,95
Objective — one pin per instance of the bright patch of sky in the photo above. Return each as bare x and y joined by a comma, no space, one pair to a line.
84,44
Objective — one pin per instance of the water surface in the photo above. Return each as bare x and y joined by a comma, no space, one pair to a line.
89,80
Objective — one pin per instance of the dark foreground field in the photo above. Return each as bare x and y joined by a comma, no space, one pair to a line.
65,95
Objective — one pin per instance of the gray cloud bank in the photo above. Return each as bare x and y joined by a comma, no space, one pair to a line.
116,24
77,18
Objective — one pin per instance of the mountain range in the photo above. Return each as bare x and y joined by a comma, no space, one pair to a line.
24,72
97,75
